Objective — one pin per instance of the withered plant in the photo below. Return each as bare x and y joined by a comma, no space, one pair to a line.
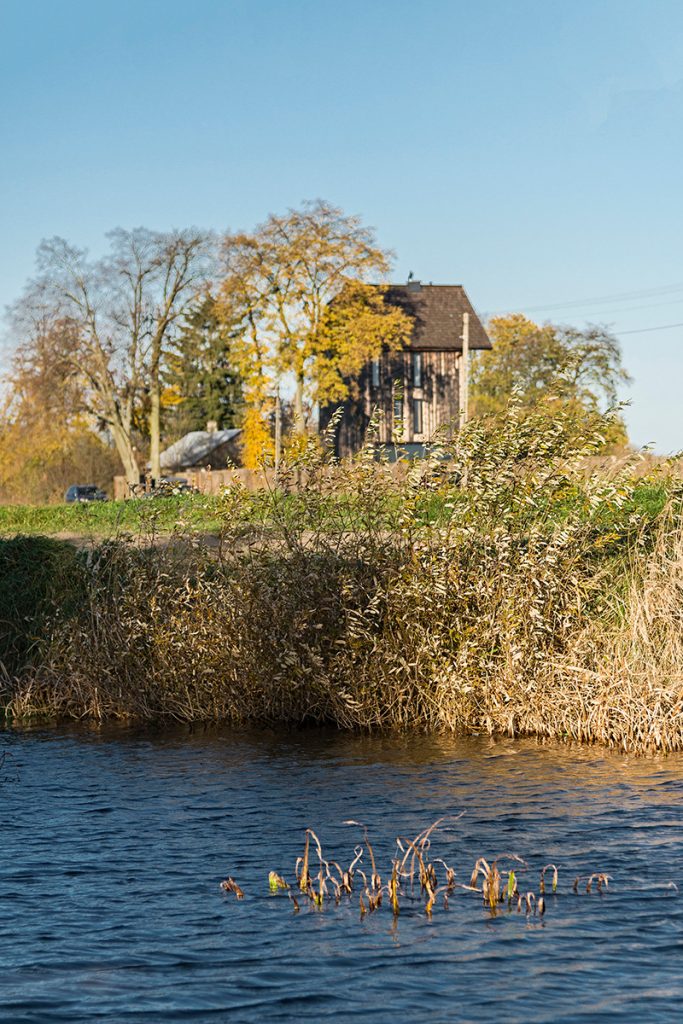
412,880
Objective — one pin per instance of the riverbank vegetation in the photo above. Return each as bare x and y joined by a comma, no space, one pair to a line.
136,519
498,585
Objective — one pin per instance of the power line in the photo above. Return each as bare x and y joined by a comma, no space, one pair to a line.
598,300
646,330
638,330
606,312
626,309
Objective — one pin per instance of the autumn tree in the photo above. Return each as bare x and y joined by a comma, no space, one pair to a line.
297,287
355,328
125,310
581,367
170,269
47,440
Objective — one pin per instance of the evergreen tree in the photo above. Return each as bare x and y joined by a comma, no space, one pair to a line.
202,382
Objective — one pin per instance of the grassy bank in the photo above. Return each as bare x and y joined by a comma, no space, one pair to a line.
108,519
335,508
502,588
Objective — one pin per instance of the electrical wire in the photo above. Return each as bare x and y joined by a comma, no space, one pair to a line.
646,330
627,309
637,330
606,312
644,293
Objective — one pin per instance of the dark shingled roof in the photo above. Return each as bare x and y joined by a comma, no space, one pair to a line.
437,310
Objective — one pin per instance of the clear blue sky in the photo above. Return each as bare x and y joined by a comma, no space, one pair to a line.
530,150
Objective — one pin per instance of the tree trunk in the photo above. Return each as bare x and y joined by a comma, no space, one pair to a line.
125,449
299,418
155,407
155,432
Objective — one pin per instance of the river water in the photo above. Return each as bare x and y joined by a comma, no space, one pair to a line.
115,842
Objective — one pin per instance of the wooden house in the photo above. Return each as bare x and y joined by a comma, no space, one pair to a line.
416,390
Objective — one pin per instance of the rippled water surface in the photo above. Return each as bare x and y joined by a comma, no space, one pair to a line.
114,844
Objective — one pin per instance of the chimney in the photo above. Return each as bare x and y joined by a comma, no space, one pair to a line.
414,286
212,427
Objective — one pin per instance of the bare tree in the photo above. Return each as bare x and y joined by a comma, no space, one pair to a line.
163,273
123,310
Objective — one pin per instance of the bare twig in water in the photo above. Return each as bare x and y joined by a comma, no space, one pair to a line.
230,885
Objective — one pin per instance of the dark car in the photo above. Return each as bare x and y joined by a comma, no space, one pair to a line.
84,492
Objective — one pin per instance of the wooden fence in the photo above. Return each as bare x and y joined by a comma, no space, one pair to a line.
212,481
206,481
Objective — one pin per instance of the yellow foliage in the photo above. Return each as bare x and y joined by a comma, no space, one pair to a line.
356,327
171,396
47,439
293,299
296,447
257,444
549,366
39,461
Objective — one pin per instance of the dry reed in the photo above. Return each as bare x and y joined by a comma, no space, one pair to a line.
414,880
537,599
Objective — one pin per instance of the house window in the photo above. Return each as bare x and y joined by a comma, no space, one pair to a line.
417,369
398,411
374,371
417,415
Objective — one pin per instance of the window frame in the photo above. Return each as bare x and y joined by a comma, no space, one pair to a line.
375,373
418,416
417,367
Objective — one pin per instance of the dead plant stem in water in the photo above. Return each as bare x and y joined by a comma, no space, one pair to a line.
498,889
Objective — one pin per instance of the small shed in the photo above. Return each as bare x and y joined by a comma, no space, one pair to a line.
202,448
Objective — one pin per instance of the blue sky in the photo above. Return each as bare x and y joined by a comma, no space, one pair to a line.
530,150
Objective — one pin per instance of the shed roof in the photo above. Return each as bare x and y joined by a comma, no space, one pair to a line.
437,311
194,448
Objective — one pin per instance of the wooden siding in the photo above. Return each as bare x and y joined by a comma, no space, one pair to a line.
438,392
438,314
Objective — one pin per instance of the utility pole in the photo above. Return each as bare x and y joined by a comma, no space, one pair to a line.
278,431
464,370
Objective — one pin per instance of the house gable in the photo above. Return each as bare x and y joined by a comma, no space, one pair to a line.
427,370
437,314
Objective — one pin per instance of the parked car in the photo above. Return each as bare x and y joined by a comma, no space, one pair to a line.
84,492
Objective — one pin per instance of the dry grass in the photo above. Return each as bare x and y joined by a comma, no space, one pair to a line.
496,586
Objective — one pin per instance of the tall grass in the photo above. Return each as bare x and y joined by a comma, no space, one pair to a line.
497,585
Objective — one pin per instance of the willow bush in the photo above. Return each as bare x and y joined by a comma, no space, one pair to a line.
497,584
